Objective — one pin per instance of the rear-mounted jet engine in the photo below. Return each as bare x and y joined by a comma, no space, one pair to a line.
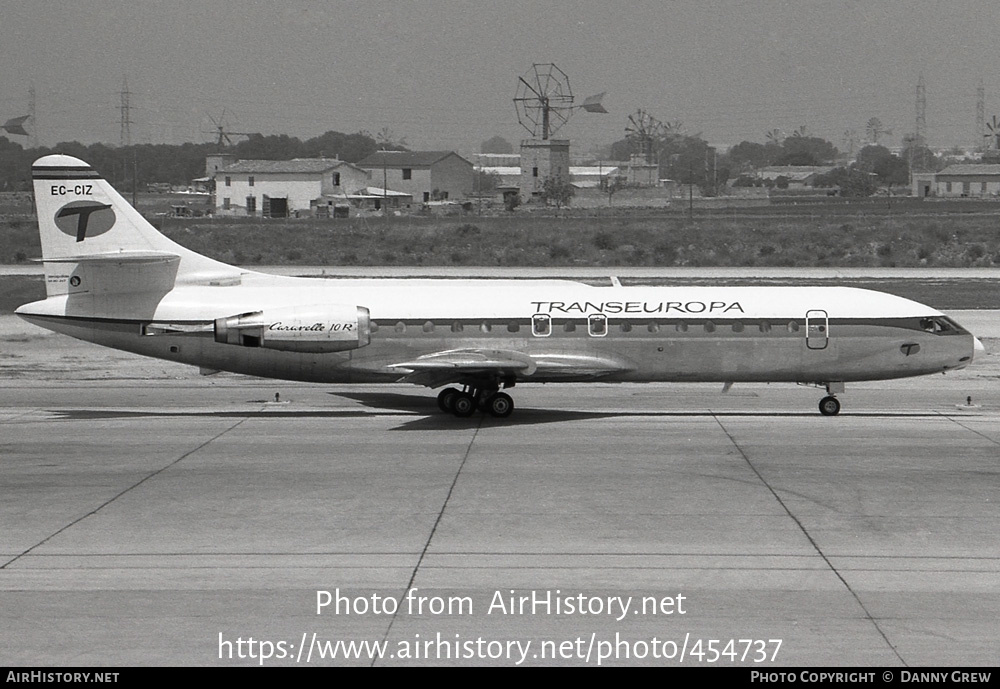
319,328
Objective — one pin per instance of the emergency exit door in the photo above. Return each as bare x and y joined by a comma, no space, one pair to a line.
817,329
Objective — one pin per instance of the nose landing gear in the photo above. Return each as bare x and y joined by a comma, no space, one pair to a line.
829,406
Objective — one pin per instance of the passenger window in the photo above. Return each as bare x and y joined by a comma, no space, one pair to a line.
737,327
513,327
457,327
653,327
682,327
485,327
765,327
569,326
541,325
429,327
793,326
709,327
626,327
597,324
400,327
373,326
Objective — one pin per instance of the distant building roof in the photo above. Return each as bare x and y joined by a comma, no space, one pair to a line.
378,193
589,170
502,170
401,159
298,165
795,173
971,169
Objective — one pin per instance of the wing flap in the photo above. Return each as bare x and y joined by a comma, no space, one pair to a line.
455,365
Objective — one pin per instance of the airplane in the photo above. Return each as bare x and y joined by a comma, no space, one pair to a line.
113,279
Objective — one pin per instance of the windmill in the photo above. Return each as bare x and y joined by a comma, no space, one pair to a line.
994,129
775,136
643,131
222,133
874,129
544,100
672,129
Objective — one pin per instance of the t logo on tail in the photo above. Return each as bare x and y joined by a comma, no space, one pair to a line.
82,217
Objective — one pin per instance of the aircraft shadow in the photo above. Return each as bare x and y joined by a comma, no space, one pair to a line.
437,420
420,413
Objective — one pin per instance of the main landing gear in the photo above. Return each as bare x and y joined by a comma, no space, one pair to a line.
463,403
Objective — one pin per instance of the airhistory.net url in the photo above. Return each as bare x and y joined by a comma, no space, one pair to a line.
439,647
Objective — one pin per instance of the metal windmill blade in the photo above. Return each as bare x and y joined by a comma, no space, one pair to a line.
544,100
994,128
643,131
16,125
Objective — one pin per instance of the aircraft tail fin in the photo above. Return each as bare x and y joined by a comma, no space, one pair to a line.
86,227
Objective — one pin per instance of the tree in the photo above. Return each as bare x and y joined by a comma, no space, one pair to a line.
852,181
349,147
887,167
870,156
556,190
497,144
806,150
613,186
749,155
485,183
918,156
270,147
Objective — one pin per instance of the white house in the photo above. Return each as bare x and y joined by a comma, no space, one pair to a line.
424,175
279,188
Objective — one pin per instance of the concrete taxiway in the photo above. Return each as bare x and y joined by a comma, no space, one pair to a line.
154,517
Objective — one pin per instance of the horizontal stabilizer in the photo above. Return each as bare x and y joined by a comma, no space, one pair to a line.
116,257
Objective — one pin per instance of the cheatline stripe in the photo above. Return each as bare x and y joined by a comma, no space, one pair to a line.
62,168
387,323
68,174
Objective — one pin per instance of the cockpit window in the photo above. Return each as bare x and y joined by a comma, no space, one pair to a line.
941,325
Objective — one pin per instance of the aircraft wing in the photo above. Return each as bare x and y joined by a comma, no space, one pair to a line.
456,365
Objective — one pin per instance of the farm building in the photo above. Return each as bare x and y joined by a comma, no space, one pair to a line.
592,176
962,180
798,176
279,188
424,175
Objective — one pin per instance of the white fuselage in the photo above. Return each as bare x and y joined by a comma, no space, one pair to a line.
810,334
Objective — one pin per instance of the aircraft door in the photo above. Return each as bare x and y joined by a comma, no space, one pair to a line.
817,329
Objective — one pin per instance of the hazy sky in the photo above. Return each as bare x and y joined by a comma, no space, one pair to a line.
442,73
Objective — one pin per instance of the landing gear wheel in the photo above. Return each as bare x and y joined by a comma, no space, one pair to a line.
446,399
500,405
463,404
829,406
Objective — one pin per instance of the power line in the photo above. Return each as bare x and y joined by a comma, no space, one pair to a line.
126,114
